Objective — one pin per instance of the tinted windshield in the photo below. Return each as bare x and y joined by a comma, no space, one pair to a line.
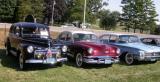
85,37
36,31
129,38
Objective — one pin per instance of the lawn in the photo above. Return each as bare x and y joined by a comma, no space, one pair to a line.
143,72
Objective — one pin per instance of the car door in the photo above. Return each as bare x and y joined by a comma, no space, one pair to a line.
16,36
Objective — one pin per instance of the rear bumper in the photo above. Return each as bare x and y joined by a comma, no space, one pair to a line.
100,60
46,61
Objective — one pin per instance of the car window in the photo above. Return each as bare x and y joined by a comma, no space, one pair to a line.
149,41
17,30
128,38
113,38
62,36
84,37
12,29
105,37
68,36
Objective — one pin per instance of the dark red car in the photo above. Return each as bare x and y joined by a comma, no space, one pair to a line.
85,47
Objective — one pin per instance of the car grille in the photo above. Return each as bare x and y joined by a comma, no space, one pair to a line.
43,54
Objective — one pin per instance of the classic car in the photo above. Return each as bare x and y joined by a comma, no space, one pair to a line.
31,43
84,48
151,41
132,49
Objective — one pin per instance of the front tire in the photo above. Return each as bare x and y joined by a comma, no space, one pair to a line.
22,64
129,59
79,60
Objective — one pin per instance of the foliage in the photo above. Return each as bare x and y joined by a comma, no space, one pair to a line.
108,20
30,7
139,14
76,9
7,8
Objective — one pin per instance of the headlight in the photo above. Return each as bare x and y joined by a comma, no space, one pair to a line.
142,54
90,50
118,51
64,49
30,49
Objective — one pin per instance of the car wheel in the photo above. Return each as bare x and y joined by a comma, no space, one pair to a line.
129,59
21,62
79,60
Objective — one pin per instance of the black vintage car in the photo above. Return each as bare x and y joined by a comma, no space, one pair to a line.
31,43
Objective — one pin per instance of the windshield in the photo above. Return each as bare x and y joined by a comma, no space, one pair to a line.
85,37
35,32
128,39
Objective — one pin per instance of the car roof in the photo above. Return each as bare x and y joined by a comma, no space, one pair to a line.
117,34
29,24
84,32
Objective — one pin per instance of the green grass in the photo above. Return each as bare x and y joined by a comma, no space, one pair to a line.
143,72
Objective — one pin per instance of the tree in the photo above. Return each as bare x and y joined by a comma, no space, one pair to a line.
138,14
7,8
59,10
108,20
30,7
76,9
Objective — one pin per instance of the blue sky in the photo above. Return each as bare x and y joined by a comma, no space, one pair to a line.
114,5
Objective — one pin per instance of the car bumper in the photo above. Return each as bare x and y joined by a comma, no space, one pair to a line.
100,60
46,61
150,58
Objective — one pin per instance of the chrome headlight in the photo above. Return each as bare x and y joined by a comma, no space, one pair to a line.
142,54
90,50
30,49
64,49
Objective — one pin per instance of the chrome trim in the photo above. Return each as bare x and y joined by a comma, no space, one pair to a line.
46,61
100,60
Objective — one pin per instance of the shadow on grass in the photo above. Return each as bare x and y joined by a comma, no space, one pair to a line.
12,62
137,63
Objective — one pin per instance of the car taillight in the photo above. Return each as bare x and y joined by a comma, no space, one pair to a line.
112,51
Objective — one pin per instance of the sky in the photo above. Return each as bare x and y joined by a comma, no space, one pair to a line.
114,5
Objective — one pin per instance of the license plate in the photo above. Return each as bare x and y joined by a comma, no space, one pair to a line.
108,61
50,60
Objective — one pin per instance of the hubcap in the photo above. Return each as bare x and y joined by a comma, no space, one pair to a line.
79,60
21,61
129,59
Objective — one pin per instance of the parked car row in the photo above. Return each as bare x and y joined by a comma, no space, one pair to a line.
32,43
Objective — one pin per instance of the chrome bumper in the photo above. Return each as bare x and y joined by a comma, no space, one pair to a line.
100,60
150,58
47,61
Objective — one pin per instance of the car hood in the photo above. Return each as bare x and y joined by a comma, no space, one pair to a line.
92,44
141,46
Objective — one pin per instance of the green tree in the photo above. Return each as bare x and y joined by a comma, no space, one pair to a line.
139,14
108,20
76,9
30,7
7,8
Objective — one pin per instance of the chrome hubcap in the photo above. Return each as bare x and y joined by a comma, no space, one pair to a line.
129,59
79,60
